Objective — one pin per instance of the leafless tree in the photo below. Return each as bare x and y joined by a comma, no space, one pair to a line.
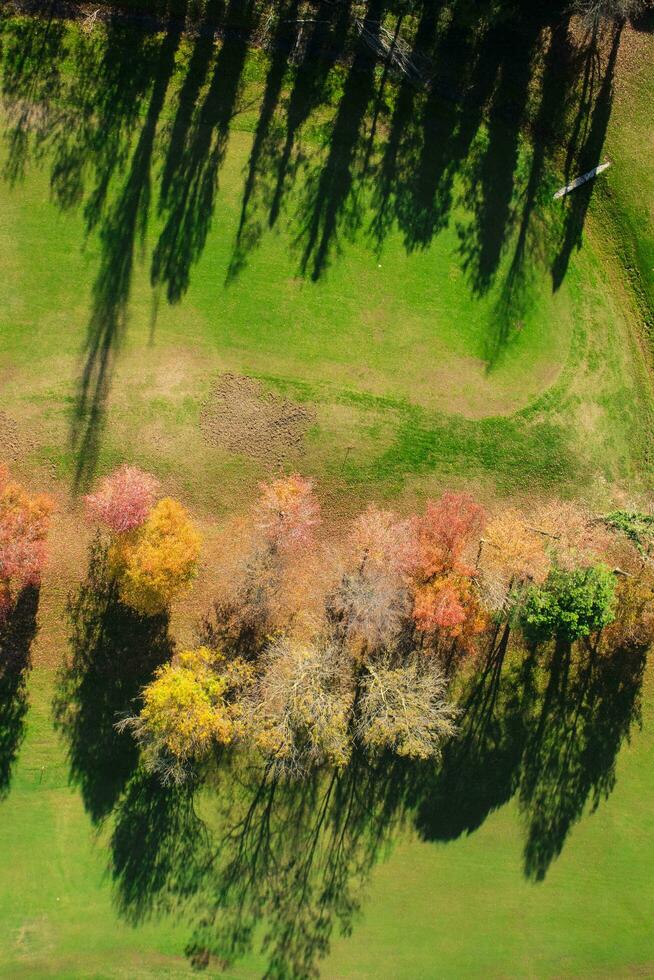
405,709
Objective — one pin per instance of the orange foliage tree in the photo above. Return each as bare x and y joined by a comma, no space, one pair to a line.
446,603
24,521
288,512
513,553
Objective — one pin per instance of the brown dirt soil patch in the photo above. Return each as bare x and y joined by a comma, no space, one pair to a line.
240,416
13,443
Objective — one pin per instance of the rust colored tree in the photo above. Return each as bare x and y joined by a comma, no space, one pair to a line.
24,521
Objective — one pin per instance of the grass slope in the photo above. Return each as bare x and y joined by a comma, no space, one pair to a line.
443,361
626,202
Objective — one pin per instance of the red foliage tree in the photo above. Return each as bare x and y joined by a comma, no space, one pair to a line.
446,605
124,499
444,531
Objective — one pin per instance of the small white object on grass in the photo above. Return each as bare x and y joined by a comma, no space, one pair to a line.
582,180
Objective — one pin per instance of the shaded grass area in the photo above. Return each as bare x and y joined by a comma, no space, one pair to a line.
57,912
539,809
382,869
386,252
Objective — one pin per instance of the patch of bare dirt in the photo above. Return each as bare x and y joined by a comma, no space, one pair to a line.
240,416
13,443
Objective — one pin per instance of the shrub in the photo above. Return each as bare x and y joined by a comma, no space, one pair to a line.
569,605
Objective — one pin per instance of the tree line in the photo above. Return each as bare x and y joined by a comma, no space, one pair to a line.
320,646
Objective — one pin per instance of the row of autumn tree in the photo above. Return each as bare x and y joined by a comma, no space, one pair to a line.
319,647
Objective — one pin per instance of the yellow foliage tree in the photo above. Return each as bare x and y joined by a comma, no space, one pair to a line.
158,560
189,707
512,552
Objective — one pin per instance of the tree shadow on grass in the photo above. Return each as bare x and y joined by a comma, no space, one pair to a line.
160,848
123,224
343,147
590,704
585,143
273,868
32,56
331,206
547,729
17,634
480,768
194,161
113,654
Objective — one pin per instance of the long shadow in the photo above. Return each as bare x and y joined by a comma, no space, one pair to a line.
121,227
534,238
113,654
591,703
399,151
330,207
545,728
585,145
273,868
17,634
480,769
263,867
262,153
188,196
160,848
324,41
491,170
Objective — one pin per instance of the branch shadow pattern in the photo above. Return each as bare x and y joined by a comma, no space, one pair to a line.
272,867
17,634
341,146
113,654
261,866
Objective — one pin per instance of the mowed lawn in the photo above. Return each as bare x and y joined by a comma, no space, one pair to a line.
426,358
460,908
626,199
422,363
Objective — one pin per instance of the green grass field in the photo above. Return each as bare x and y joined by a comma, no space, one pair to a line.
458,907
435,346
390,261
